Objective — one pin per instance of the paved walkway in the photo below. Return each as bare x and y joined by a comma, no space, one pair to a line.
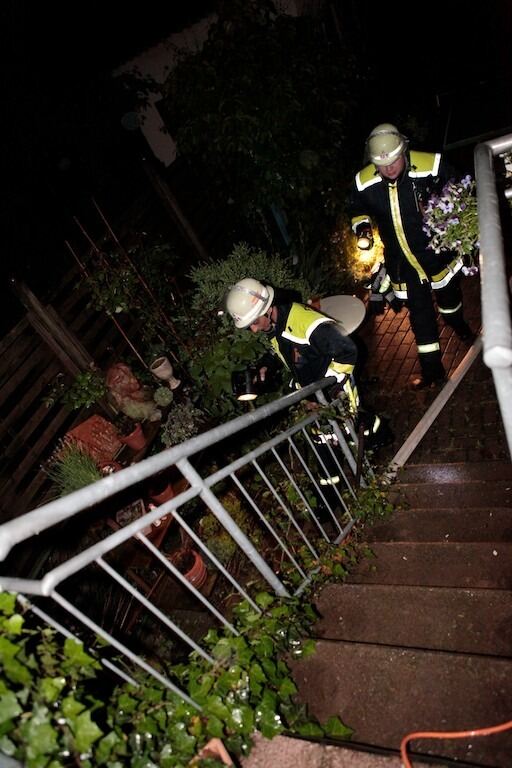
469,428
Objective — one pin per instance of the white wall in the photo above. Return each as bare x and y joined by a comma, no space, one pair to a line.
156,63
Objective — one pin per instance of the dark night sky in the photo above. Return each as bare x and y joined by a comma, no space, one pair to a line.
58,57
55,51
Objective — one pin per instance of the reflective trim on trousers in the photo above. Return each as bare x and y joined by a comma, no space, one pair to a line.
424,349
443,278
320,438
376,424
449,311
333,480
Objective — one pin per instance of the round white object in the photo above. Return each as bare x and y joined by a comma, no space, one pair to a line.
349,311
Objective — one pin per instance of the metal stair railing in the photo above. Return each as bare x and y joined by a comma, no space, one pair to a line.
497,330
289,459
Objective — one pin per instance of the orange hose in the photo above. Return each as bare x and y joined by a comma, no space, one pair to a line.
448,735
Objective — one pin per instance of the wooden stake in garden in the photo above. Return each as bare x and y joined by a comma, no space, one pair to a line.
86,274
141,279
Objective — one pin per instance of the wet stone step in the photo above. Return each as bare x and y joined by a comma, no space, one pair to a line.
485,565
384,693
497,493
440,524
436,618
465,472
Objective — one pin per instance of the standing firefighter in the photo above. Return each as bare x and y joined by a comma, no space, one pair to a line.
392,191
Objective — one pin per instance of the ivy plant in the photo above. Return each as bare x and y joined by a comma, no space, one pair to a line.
55,714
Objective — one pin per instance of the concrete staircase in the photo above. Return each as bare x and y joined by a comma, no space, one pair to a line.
420,636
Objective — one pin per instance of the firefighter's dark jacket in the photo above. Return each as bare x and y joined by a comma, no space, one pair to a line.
310,344
396,208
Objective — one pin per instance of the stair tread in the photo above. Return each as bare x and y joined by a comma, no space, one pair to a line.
417,691
441,618
427,524
458,472
444,564
288,752
497,493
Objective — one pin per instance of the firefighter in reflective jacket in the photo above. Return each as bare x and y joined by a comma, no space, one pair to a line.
310,344
391,192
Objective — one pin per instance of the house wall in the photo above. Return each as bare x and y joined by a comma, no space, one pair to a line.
156,63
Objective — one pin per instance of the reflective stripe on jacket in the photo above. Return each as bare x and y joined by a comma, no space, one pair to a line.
396,208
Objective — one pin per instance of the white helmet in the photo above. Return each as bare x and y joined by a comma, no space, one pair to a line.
385,144
247,300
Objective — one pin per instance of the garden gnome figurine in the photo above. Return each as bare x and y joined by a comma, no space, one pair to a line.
129,395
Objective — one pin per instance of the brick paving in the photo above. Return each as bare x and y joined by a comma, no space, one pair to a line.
469,428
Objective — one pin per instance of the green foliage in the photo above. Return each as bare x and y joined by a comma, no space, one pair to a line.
267,106
220,347
48,710
163,396
217,539
183,422
212,370
212,280
51,714
332,563
372,503
113,286
141,281
71,468
88,388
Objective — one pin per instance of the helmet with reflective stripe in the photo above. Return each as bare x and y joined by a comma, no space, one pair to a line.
385,144
247,300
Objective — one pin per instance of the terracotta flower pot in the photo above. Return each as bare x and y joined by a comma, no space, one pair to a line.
136,440
192,565
213,749
161,495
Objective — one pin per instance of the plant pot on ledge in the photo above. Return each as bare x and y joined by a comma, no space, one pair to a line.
136,439
161,488
162,369
191,564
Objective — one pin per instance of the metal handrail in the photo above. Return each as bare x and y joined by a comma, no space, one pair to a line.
496,323
303,475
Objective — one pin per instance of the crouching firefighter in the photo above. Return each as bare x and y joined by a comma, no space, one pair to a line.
312,346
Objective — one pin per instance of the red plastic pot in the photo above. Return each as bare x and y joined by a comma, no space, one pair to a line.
196,573
164,495
136,440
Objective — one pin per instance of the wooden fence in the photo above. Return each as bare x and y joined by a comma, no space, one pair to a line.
63,334
58,338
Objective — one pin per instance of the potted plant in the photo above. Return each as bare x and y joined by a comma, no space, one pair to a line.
163,396
131,433
87,389
182,423
72,467
162,369
191,564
